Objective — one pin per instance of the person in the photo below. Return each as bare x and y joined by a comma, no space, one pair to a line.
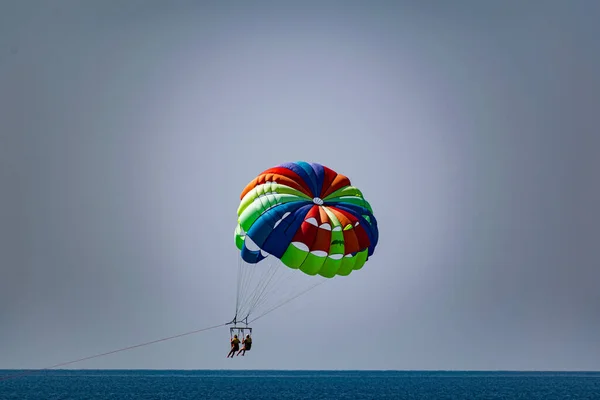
247,344
235,346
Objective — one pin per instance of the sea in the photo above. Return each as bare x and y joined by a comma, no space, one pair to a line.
297,385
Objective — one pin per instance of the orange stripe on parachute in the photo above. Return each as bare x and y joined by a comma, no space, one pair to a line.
344,220
323,217
283,180
293,176
338,182
352,241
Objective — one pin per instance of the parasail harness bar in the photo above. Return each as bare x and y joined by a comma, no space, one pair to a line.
240,331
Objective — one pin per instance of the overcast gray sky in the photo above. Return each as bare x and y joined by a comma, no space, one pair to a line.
128,130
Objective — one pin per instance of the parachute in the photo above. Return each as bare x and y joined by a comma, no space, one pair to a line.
299,224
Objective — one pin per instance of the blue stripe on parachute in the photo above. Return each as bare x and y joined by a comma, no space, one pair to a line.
281,237
302,173
319,175
312,176
264,224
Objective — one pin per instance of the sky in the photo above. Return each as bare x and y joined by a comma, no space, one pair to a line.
129,129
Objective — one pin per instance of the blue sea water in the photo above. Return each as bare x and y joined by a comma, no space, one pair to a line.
296,385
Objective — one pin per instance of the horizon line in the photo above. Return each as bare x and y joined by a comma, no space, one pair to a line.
302,370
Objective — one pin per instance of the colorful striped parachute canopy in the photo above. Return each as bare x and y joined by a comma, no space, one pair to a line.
308,216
